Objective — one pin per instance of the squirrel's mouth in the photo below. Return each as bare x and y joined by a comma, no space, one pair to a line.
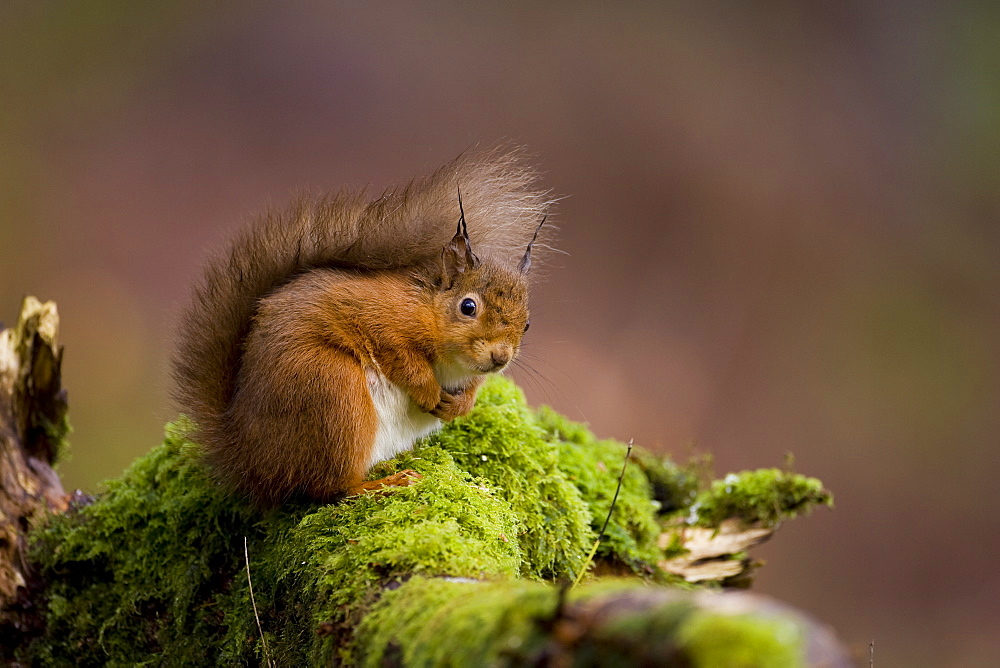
495,367
492,364
480,369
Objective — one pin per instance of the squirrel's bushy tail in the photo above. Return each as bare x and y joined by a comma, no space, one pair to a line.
403,227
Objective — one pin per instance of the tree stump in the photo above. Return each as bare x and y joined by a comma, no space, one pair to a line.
33,428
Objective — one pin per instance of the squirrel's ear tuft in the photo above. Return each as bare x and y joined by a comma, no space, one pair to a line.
457,257
526,260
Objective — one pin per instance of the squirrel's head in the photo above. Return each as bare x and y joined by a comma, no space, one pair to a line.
483,306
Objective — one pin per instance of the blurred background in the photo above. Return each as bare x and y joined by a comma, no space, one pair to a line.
781,224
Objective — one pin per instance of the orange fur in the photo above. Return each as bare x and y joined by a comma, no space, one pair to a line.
278,351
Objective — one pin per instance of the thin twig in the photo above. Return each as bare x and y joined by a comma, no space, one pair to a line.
600,536
267,655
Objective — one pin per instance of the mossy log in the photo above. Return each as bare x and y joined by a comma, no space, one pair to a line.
469,566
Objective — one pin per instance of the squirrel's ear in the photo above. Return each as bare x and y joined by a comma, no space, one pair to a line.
526,260
457,257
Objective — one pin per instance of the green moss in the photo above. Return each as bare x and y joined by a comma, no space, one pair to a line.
155,568
560,428
674,487
162,553
717,640
765,495
157,546
631,535
446,623
339,558
57,435
594,466
501,443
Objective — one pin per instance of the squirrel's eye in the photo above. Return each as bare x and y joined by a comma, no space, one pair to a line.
527,325
468,307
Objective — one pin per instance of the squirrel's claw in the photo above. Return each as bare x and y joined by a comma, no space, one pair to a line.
453,405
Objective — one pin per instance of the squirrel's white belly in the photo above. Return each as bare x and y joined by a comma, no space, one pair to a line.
400,421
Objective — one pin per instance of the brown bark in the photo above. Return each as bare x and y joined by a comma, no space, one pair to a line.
32,427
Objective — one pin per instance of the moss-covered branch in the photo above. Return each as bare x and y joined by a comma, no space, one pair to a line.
507,509
469,566
611,622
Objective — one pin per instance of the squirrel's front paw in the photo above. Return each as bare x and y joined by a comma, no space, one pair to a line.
446,407
452,405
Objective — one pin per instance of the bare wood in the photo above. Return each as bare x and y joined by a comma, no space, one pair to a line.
714,554
32,424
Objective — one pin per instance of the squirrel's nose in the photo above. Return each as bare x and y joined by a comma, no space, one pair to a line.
500,357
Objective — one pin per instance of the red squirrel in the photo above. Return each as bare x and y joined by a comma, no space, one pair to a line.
332,336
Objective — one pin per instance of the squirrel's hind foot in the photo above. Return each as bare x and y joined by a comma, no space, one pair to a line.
401,479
